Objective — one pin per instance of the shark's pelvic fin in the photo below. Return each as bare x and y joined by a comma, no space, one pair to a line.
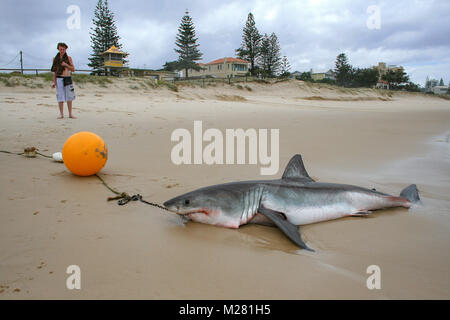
296,170
289,229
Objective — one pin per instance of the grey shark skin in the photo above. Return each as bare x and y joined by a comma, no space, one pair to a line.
295,199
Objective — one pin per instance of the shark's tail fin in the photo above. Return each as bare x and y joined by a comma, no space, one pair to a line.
411,193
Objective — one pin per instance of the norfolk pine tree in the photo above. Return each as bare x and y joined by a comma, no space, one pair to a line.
285,67
343,70
251,41
269,58
275,55
187,45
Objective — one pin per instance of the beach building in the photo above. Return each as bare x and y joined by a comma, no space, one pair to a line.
221,68
114,60
439,89
382,68
382,84
430,84
317,76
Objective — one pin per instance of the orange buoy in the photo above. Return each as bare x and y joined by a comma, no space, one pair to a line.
84,153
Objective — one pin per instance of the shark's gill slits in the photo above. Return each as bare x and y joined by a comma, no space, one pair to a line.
250,200
246,206
257,200
249,212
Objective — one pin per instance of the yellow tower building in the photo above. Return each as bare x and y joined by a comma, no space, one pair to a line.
113,60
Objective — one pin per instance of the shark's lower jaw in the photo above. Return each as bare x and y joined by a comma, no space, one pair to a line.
211,217
188,213
204,211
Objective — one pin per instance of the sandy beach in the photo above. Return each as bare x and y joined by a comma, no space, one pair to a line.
51,219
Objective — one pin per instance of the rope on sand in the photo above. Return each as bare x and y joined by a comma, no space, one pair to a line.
122,197
29,152
19,154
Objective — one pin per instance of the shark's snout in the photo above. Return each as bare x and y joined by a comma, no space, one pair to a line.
167,204
171,206
177,205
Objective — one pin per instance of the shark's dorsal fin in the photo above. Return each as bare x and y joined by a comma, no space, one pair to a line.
296,170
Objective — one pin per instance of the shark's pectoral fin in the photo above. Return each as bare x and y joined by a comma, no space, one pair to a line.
289,229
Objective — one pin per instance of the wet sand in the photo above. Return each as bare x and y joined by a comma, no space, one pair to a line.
51,219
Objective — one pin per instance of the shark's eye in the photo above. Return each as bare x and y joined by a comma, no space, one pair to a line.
187,201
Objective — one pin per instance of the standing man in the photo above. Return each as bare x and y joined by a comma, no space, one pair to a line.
62,68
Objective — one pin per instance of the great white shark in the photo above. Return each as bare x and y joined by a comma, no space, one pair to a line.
294,200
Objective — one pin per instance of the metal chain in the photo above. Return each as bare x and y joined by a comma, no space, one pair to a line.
138,197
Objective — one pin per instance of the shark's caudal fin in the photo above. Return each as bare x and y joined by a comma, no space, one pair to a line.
411,193
296,170
290,230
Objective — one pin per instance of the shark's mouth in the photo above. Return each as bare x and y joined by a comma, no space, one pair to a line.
198,211
202,210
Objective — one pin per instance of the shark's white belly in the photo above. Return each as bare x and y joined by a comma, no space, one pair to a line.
307,215
324,206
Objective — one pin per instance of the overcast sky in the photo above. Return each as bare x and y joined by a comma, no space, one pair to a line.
414,34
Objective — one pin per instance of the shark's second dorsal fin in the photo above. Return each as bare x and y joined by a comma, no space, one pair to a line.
296,170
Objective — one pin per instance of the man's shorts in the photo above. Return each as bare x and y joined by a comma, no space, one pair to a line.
64,93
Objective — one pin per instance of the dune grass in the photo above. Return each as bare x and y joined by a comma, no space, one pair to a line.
17,79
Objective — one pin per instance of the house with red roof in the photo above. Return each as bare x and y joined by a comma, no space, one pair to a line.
222,68
382,84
